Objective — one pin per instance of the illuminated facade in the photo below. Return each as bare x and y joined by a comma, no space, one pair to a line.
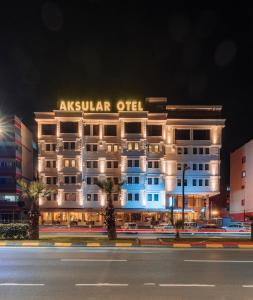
146,145
241,188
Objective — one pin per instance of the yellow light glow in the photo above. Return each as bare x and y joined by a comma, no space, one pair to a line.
123,163
215,135
123,197
81,200
102,199
169,183
59,163
102,165
215,212
40,200
59,197
100,105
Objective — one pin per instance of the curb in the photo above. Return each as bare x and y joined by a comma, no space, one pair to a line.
140,243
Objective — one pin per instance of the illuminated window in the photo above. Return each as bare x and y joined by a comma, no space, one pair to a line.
112,148
136,146
66,163
129,146
88,197
73,163
156,148
243,174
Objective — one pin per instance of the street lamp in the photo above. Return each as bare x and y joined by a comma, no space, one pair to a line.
183,200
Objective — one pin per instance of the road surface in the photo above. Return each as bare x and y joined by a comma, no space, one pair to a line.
136,273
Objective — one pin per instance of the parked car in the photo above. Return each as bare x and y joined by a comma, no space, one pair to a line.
164,226
211,227
190,225
129,225
236,227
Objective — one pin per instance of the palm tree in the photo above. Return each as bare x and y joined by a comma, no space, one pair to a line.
107,186
31,192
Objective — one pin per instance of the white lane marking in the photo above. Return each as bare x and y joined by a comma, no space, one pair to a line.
247,286
21,284
99,260
187,285
101,284
218,260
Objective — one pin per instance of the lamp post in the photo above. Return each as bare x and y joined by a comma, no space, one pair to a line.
183,200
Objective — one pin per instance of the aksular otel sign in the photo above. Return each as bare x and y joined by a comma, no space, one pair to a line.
100,106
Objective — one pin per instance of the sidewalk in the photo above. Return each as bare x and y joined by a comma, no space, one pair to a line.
135,243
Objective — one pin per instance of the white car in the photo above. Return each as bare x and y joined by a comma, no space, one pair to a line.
235,227
129,225
164,226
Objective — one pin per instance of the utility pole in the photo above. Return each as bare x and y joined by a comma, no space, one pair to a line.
183,200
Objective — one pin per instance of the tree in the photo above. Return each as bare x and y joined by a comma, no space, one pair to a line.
107,186
31,192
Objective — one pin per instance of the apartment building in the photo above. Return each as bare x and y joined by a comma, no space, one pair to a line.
241,188
144,144
16,161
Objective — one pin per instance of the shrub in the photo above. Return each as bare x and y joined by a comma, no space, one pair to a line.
14,231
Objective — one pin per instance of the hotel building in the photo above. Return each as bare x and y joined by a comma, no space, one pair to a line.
145,144
241,187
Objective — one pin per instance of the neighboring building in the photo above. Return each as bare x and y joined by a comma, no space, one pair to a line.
16,161
146,145
241,179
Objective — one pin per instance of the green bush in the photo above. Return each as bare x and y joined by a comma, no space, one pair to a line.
13,231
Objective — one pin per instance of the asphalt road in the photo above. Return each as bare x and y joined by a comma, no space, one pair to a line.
136,273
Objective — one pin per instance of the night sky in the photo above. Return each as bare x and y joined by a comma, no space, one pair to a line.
98,49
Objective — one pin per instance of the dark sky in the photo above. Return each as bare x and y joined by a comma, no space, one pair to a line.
95,48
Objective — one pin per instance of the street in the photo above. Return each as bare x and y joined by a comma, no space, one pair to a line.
143,273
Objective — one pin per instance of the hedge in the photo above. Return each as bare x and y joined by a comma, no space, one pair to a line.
13,231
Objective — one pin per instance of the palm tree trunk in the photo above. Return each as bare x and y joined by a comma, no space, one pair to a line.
110,219
34,221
